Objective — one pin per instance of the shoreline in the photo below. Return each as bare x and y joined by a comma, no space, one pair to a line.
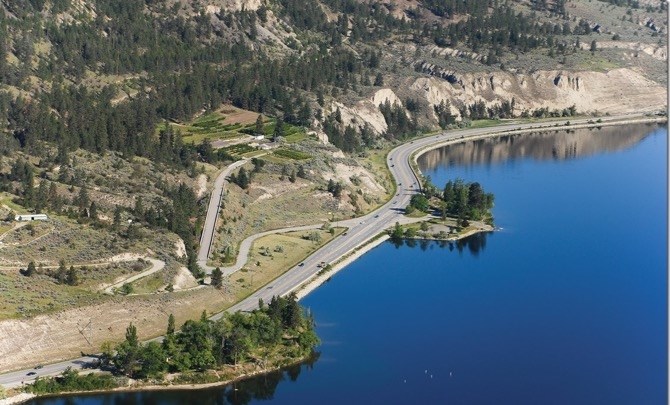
312,284
309,286
23,397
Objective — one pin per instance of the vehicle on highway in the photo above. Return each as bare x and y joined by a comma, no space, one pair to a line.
377,216
301,264
322,264
31,373
392,165
344,234
39,366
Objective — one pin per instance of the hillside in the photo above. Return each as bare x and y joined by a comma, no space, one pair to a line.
442,62
117,116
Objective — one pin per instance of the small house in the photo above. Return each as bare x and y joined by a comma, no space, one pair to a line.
31,217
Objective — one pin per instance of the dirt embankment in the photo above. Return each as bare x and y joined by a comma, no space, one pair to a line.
64,335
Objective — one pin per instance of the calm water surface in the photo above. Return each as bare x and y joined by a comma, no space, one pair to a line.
565,305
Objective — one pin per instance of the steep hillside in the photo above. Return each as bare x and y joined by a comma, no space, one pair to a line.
170,60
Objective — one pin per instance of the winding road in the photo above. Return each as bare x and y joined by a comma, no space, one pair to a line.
360,230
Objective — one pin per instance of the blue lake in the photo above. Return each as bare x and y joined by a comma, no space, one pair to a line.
566,304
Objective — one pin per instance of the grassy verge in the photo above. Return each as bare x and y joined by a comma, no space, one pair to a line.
375,162
273,255
149,284
416,214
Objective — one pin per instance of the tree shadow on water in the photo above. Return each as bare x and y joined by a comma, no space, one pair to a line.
263,387
473,244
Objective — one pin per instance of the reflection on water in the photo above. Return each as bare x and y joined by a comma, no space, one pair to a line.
473,243
557,145
262,387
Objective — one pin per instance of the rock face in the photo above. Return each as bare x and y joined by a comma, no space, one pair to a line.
232,5
617,91
367,111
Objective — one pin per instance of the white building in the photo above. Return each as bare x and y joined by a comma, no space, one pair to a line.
31,217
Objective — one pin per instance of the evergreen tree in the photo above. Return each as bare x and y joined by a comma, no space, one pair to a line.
278,131
93,211
61,273
72,277
138,210
116,222
217,278
127,357
258,129
242,178
30,270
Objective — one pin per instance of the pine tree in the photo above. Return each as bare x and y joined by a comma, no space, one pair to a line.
83,201
171,326
93,211
258,129
138,210
72,276
279,130
242,178
116,223
61,273
31,269
217,278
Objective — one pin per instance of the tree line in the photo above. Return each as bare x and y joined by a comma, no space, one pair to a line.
203,344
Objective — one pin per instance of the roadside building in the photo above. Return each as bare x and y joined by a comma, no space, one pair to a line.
31,217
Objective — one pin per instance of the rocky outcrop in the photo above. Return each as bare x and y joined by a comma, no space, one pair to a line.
232,5
367,111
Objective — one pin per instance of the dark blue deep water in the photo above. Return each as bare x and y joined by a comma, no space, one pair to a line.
565,305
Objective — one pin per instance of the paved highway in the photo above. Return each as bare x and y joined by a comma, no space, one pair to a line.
363,229
360,229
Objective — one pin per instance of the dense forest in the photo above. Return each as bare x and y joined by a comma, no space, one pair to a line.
178,65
